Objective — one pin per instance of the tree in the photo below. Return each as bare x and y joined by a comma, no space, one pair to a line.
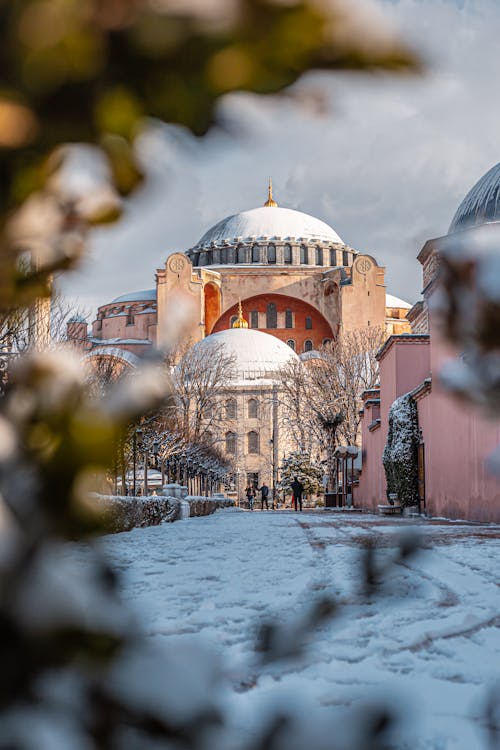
200,380
349,367
308,472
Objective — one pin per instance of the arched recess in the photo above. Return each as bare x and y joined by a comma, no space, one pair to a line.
212,306
287,310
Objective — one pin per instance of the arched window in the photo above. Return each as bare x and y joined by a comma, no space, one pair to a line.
256,254
231,408
196,259
319,256
345,258
254,319
308,345
253,442
203,258
233,320
253,409
288,319
230,442
223,255
304,254
242,254
271,253
271,316
291,344
287,254
333,256
130,316
309,323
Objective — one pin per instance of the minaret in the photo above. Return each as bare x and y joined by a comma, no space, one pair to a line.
240,321
270,203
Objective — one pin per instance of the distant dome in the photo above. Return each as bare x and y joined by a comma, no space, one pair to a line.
392,301
257,355
269,223
481,204
143,295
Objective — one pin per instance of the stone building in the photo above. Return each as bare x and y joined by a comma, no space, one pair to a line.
298,281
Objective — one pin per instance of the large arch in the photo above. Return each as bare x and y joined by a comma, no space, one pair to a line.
256,311
212,306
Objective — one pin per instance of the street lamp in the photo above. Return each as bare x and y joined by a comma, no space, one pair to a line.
137,442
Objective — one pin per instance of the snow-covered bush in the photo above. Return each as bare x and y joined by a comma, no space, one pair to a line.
299,464
400,452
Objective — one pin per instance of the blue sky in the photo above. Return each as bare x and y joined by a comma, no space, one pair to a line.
386,165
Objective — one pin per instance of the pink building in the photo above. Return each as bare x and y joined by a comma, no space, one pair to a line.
455,439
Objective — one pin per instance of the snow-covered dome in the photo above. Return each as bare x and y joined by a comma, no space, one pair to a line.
392,301
268,223
481,205
141,296
257,355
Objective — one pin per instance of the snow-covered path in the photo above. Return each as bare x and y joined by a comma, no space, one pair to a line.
431,639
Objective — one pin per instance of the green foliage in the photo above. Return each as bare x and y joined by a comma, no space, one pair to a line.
400,453
310,474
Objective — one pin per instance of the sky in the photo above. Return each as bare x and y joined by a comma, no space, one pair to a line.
386,164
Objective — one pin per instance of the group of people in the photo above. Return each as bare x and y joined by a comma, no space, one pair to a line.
251,494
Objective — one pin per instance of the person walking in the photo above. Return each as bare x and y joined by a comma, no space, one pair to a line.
264,494
250,493
297,489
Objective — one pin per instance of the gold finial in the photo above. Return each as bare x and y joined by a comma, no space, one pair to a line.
270,203
240,321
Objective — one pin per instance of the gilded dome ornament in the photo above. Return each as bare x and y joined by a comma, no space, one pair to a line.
270,203
240,321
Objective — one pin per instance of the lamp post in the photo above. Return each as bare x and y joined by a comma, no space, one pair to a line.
137,442
155,450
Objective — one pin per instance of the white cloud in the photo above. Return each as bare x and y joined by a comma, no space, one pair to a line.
387,166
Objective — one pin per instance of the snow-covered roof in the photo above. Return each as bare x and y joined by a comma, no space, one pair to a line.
268,223
142,296
77,319
392,301
257,355
481,204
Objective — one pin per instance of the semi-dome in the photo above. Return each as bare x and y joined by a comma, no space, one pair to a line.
268,223
257,355
481,205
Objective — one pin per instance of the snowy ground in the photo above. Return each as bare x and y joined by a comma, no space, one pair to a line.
431,641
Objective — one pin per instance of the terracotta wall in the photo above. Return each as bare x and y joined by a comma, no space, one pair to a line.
300,310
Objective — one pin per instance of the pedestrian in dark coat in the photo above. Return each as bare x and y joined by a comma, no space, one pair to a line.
264,494
297,489
250,493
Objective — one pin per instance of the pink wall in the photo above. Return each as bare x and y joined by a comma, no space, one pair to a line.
404,364
457,439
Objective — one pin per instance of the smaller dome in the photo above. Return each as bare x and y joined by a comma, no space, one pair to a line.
143,295
392,301
257,355
77,319
481,205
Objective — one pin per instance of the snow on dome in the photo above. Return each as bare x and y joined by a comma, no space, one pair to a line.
392,301
270,223
481,205
257,355
143,295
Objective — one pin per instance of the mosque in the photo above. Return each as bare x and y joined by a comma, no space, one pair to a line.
287,281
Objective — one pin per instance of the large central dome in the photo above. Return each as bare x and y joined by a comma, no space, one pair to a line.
268,223
257,355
